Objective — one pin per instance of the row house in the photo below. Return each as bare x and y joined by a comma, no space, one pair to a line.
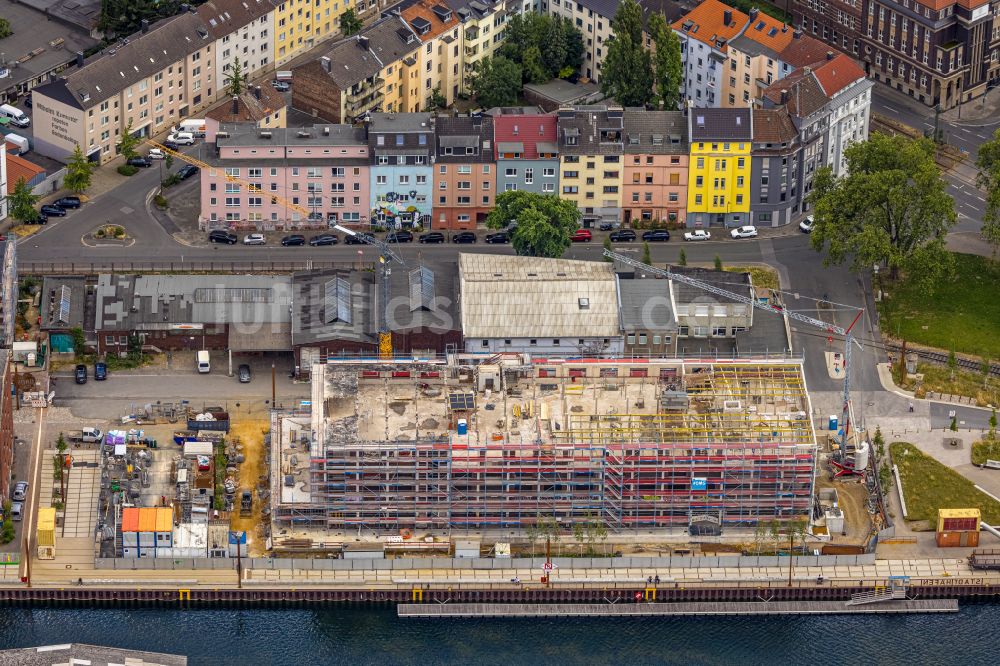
324,169
656,166
526,150
483,24
359,75
302,24
591,148
776,168
465,171
261,106
147,82
439,70
719,167
244,33
402,150
705,33
940,53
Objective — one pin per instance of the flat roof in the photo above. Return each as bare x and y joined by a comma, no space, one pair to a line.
53,43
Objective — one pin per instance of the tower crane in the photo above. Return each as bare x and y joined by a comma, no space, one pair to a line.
385,272
386,253
774,309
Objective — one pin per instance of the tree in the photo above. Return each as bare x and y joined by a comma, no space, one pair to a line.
532,68
718,263
61,445
553,47
544,46
608,246
5,29
496,82
21,202
79,171
79,340
890,209
574,45
993,423
667,68
952,363
128,143
544,222
984,369
988,178
682,259
647,257
236,80
350,24
627,75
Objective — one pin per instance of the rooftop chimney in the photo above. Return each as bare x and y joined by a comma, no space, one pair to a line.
363,42
79,58
325,62
784,97
145,26
236,105
184,8
256,92
829,55
727,17
753,12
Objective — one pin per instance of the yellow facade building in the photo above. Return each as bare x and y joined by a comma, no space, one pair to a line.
591,149
719,167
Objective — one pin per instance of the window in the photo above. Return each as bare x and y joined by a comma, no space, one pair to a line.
529,177
718,331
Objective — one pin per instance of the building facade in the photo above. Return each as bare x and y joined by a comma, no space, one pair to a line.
323,169
483,24
593,19
655,168
401,157
776,179
464,172
591,152
441,53
719,173
527,156
705,33
244,33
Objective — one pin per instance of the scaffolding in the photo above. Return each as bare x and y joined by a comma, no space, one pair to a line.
704,443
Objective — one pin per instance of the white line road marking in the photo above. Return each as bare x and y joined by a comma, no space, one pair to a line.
982,136
891,109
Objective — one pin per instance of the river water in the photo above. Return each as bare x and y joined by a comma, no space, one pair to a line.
360,634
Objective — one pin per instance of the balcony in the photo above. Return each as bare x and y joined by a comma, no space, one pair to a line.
357,105
472,32
471,52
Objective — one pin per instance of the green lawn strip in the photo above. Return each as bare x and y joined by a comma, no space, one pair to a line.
928,486
987,449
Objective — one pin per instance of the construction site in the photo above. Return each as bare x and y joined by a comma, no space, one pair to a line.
509,441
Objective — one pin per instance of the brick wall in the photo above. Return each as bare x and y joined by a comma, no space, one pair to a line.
6,432
313,92
214,338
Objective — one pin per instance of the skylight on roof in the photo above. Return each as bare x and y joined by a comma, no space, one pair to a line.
759,26
772,32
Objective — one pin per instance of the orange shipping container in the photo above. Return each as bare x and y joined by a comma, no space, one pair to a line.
130,520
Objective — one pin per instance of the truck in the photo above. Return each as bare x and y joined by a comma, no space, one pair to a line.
85,435
195,126
215,421
246,503
23,145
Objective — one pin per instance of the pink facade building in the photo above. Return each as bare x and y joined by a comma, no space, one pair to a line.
656,164
322,169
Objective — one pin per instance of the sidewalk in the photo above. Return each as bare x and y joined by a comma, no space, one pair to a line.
983,108
889,384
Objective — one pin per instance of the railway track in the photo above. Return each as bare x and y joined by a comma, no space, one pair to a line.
942,359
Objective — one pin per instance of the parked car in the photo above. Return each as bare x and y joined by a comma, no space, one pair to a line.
244,374
80,374
67,202
323,239
53,211
222,236
27,100
187,171
432,237
582,236
748,231
182,138
399,237
140,162
293,240
20,491
607,226
464,237
254,239
156,154
356,239
171,145
656,236
280,86
100,371
806,225
40,218
622,236
17,511
497,238
697,235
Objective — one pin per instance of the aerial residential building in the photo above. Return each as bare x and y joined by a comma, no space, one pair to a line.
941,53
152,80
656,166
776,183
593,19
358,75
244,32
302,24
402,151
591,148
527,155
719,173
483,32
261,106
705,33
754,59
647,317
440,56
464,172
323,169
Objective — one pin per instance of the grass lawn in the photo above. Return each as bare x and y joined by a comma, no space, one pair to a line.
928,486
762,276
987,449
938,378
961,314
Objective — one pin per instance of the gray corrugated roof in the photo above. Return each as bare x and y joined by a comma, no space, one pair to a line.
684,293
52,294
401,122
723,124
645,305
507,296
327,134
167,42
406,314
642,126
309,318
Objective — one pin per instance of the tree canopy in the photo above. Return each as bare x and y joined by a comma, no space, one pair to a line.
667,69
236,80
350,24
627,73
496,82
123,17
128,143
544,222
988,163
891,209
21,202
79,171
544,46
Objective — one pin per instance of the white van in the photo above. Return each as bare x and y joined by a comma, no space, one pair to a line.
204,365
16,115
